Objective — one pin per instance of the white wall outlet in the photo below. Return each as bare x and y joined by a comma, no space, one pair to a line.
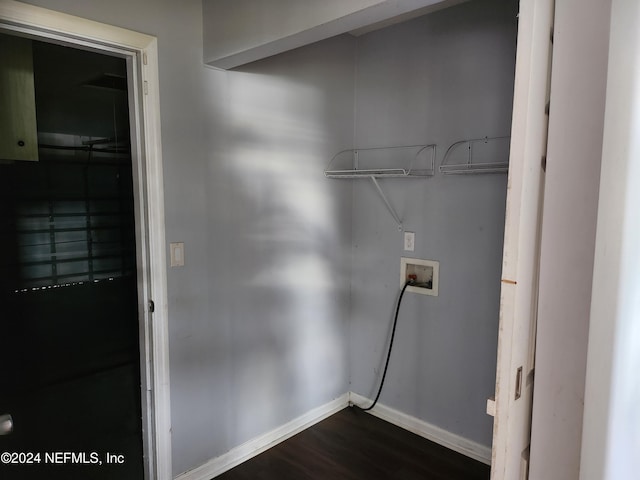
177,254
409,241
424,275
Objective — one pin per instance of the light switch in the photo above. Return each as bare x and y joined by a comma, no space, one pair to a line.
177,254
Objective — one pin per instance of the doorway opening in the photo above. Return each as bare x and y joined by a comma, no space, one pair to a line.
93,166
68,275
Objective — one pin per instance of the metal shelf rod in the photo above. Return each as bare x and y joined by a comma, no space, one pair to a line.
386,202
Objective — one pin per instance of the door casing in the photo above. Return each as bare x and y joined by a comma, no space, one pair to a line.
141,55
521,255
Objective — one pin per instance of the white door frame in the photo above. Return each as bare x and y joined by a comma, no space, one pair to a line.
521,255
140,52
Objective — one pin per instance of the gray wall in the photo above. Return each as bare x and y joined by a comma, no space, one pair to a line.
259,330
284,238
258,314
437,79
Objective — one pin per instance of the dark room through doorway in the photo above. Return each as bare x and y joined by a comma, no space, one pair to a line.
68,276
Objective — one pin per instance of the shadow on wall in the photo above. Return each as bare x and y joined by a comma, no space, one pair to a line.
290,251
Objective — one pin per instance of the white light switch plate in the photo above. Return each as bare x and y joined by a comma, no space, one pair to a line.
177,254
409,241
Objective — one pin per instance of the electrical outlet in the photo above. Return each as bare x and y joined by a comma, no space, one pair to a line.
409,241
423,274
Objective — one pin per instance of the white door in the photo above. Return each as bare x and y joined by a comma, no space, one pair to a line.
519,293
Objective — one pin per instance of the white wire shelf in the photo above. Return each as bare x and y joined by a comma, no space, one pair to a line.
478,158
378,173
377,162
416,161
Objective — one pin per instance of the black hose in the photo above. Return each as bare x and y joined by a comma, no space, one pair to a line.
393,334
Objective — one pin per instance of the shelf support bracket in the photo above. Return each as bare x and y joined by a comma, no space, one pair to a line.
386,202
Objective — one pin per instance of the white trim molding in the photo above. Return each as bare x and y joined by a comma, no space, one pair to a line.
426,430
256,446
141,53
234,457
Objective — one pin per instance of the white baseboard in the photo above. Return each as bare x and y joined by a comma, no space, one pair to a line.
254,447
250,449
442,437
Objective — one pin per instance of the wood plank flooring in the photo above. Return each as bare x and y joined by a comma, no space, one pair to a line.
354,445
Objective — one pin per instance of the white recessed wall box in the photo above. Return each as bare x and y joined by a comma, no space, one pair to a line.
423,275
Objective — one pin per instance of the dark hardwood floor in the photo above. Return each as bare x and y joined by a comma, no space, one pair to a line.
354,445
